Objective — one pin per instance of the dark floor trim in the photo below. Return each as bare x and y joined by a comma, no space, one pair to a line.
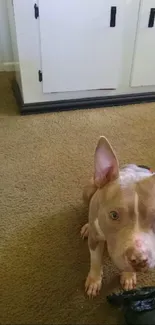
82,103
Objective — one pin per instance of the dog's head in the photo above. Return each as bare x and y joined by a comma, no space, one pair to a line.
126,209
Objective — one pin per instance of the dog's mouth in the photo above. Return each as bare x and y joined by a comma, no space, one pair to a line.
131,267
139,268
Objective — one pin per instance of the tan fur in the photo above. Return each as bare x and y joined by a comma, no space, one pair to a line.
130,192
89,191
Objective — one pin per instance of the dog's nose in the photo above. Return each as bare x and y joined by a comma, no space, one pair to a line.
138,260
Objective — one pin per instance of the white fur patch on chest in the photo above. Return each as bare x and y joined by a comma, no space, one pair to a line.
99,230
136,209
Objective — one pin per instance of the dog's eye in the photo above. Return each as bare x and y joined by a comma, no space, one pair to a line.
114,215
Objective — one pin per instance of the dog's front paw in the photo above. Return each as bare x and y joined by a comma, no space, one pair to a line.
93,285
85,231
128,280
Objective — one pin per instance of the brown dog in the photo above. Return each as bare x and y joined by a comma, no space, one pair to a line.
122,213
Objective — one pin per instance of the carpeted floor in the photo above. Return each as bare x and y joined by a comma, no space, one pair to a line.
44,163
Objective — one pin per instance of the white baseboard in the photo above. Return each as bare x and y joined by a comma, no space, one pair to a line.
7,66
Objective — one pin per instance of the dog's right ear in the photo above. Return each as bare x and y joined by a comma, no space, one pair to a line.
106,163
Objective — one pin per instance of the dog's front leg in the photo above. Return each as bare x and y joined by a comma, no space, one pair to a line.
94,279
128,280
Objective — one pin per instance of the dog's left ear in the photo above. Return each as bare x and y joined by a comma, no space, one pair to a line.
106,163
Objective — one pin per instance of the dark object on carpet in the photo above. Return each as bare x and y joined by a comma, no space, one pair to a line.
138,305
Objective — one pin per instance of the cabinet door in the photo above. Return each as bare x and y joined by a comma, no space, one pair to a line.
81,44
143,72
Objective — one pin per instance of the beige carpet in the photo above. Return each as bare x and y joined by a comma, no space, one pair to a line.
44,163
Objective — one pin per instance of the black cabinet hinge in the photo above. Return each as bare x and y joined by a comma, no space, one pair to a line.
36,11
40,76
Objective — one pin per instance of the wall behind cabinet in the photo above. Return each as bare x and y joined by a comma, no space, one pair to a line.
6,54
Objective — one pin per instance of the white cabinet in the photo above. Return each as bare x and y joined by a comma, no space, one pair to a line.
82,53
143,72
81,44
